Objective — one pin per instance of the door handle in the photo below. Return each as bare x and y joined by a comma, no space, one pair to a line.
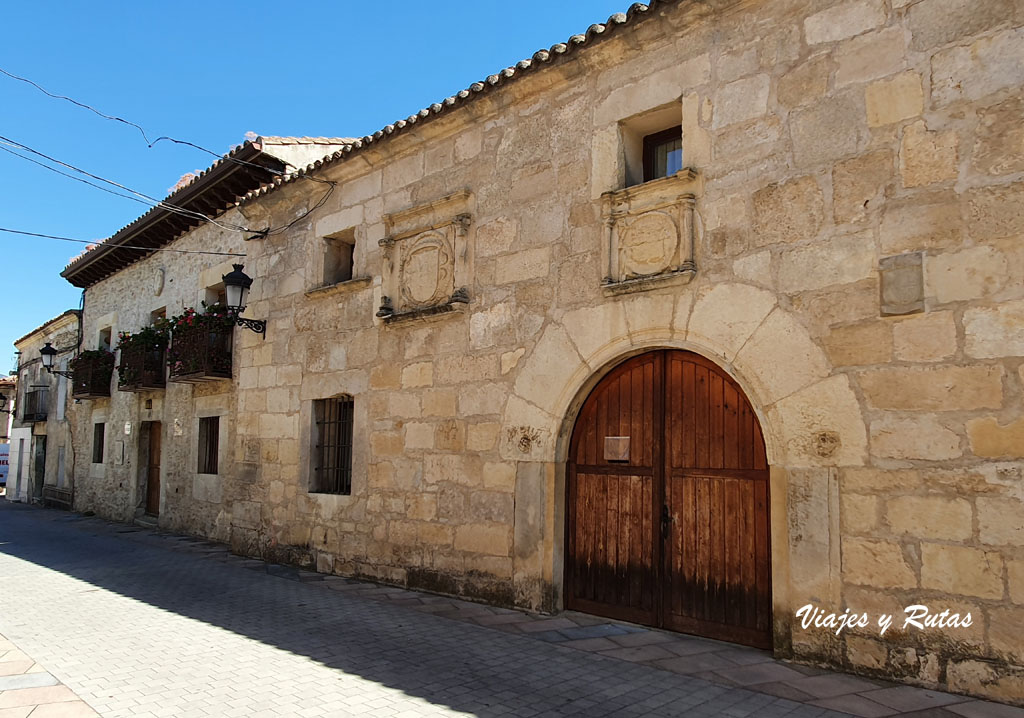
666,520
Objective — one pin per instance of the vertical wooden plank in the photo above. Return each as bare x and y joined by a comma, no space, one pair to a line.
716,451
702,428
730,405
763,560
760,459
749,578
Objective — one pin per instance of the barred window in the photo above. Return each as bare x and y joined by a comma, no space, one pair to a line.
332,446
97,443
209,439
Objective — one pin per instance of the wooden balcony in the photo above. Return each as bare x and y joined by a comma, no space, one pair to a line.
90,375
141,369
36,406
200,353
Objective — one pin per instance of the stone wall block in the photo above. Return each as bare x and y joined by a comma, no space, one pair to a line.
934,389
928,157
822,424
840,261
782,357
1001,521
967,274
858,185
925,337
827,130
999,139
993,332
805,83
996,212
961,570
491,539
741,100
546,375
893,100
990,439
843,21
876,563
788,212
725,316
913,437
859,344
593,328
924,222
869,57
971,72
930,517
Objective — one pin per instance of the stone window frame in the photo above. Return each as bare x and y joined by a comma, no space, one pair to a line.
221,413
669,202
361,455
444,223
343,437
355,282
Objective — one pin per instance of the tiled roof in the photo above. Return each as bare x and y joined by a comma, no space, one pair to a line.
306,140
47,323
175,198
540,59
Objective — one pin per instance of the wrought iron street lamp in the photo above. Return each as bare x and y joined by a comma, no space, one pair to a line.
236,287
49,354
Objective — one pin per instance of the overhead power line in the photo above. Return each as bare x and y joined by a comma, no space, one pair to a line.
145,136
192,214
119,246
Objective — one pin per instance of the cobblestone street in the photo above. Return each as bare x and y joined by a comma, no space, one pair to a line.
140,623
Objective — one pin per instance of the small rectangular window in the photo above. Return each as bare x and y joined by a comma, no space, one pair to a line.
209,438
663,153
332,446
97,443
157,315
105,337
339,257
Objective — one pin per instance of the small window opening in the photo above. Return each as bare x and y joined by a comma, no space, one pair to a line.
105,336
97,442
157,315
209,438
339,257
332,448
663,153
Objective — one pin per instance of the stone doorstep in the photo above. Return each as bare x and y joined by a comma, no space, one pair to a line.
715,661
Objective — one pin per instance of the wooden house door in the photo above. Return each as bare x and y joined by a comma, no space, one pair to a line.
153,470
668,502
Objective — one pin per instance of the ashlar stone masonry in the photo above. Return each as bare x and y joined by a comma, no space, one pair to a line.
846,242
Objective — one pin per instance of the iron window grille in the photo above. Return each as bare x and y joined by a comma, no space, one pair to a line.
332,450
97,442
209,440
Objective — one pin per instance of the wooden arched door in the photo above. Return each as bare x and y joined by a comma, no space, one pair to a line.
667,496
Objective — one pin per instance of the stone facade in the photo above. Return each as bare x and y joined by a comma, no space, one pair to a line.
846,243
42,450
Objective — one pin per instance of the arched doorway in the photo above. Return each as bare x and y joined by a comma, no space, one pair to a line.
667,501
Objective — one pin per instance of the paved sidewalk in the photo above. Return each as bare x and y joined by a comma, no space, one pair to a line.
141,623
26,689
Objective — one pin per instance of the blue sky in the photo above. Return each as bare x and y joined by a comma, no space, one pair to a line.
208,72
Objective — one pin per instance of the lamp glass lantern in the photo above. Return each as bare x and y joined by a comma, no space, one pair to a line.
48,354
236,288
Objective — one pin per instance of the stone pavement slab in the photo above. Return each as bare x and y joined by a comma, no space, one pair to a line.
143,623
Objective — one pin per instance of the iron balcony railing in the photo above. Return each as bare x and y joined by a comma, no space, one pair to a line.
90,375
200,353
141,368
